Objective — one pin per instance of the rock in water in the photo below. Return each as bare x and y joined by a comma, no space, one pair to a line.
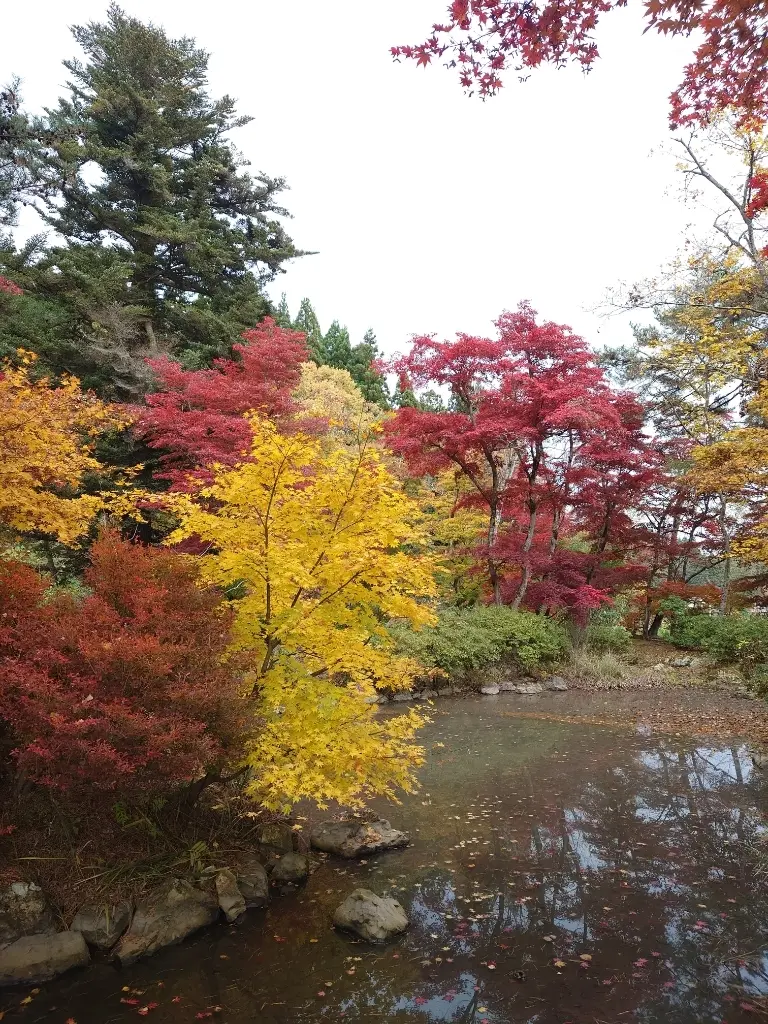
490,691
36,958
167,916
374,918
24,910
253,883
231,900
356,838
102,926
556,683
292,868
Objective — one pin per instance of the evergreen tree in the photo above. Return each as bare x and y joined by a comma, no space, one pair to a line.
282,314
169,245
306,321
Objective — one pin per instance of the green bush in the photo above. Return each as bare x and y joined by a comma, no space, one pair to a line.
691,630
472,638
734,638
606,633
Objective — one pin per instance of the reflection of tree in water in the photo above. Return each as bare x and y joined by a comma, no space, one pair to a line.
616,854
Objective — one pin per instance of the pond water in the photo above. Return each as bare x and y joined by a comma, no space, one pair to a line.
558,873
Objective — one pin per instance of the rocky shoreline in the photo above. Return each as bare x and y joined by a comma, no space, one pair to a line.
34,950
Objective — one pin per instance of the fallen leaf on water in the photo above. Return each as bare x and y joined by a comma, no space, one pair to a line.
640,963
559,963
176,999
70,1020
585,956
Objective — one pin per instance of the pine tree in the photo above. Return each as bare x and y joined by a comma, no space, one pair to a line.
169,245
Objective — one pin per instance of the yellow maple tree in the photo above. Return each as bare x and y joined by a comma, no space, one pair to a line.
46,449
309,541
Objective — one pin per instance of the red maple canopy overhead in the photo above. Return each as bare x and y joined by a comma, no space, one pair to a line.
484,38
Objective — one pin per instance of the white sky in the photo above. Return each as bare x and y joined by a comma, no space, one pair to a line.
430,211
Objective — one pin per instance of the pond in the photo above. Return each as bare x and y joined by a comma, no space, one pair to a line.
558,873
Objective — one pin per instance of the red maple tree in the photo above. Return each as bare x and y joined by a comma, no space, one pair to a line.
122,692
484,38
550,450
196,418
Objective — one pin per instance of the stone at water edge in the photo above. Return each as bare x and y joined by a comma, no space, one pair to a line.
231,900
374,918
356,838
556,683
292,868
489,691
165,917
529,688
35,958
102,926
24,910
253,882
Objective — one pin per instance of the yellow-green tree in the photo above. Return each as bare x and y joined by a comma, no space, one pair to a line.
308,540
332,395
46,449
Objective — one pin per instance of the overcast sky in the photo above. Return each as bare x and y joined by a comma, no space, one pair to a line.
429,211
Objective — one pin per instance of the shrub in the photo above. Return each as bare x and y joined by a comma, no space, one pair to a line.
122,691
606,633
733,638
471,638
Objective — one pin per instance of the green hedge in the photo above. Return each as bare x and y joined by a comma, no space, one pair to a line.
734,638
472,638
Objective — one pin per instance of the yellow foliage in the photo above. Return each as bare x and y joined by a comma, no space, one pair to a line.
46,448
713,340
737,466
332,395
451,529
310,541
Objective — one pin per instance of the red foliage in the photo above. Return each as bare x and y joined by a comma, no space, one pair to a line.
9,287
551,451
123,691
758,202
196,419
484,38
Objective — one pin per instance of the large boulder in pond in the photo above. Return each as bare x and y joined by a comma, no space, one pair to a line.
24,910
101,926
253,883
35,958
354,837
165,917
291,869
374,918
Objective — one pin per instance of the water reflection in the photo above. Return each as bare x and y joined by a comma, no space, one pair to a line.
558,873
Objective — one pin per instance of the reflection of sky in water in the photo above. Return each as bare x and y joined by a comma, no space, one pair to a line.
630,859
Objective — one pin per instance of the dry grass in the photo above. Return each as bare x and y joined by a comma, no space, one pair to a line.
605,671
